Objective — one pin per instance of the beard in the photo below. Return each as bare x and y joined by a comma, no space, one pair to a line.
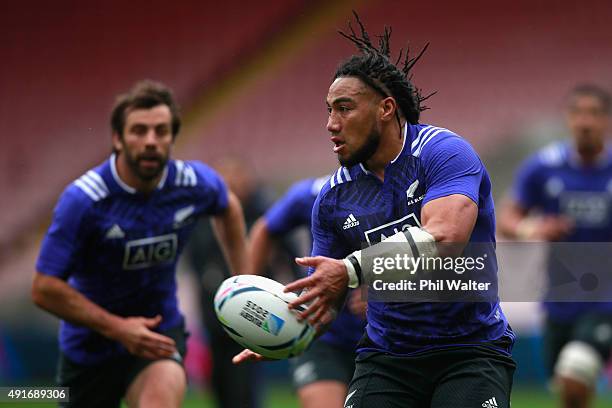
363,154
142,172
587,144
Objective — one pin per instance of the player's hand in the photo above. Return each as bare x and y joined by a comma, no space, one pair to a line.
248,355
546,228
356,304
137,337
325,288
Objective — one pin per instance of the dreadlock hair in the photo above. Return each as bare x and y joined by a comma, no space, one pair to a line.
374,67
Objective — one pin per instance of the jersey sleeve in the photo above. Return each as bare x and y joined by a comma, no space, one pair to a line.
214,189
323,235
292,210
451,166
526,188
61,247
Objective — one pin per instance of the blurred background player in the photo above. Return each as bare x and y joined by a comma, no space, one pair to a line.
322,374
107,264
206,261
562,193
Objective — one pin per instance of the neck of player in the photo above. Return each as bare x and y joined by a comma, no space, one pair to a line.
590,155
127,175
391,144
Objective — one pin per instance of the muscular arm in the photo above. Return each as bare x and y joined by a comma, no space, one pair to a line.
450,219
59,298
230,230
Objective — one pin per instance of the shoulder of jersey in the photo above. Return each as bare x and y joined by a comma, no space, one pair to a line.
425,135
553,154
186,173
341,176
318,184
92,185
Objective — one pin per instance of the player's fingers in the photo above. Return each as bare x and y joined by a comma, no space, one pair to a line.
312,309
243,356
145,352
152,322
246,355
162,348
156,354
308,261
299,284
316,318
157,349
304,298
160,341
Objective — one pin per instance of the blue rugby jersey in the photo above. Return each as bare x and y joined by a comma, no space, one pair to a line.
294,210
554,182
119,247
356,208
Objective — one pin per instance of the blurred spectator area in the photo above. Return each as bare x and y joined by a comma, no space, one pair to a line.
64,61
497,68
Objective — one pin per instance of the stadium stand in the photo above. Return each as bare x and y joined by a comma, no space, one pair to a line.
64,61
496,68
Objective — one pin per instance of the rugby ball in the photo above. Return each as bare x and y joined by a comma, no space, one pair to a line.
253,311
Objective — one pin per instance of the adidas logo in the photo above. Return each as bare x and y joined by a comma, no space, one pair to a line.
350,222
491,403
115,232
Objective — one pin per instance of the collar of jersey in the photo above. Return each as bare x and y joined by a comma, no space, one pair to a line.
123,185
574,161
405,129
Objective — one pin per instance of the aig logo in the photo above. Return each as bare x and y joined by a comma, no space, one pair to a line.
381,232
146,252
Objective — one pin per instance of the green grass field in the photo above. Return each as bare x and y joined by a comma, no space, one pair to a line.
521,398
283,397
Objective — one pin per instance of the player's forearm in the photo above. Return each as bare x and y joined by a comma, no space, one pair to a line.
512,221
260,246
59,298
415,242
448,223
230,230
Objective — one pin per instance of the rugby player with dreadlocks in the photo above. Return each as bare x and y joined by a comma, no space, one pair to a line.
420,185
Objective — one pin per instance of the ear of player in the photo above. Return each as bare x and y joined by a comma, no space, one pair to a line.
253,311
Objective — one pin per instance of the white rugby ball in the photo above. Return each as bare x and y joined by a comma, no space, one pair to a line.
253,311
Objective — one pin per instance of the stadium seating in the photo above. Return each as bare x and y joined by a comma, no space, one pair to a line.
497,70
64,61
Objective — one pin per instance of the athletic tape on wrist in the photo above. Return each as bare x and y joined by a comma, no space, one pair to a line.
420,243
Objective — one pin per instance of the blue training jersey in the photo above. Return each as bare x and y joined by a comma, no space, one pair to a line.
294,210
119,247
355,209
554,182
